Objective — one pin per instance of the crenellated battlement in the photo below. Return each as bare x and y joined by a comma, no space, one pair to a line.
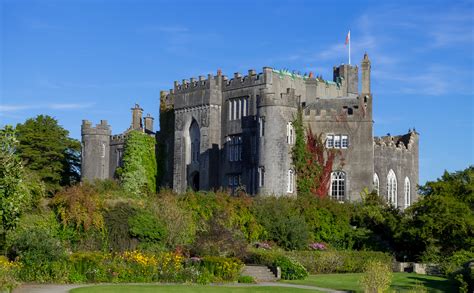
103,128
193,84
239,81
405,142
117,139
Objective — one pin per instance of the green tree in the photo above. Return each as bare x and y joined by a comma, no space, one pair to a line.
442,221
139,170
282,220
45,148
14,194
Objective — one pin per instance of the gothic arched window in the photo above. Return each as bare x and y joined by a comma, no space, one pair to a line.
376,183
338,185
392,188
407,192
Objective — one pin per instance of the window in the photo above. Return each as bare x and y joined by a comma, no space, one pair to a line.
330,141
338,185
103,151
238,108
392,188
291,181
344,141
290,133
234,181
337,141
235,148
261,123
407,192
246,106
376,183
340,141
261,176
195,151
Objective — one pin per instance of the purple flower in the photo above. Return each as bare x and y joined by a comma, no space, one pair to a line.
317,246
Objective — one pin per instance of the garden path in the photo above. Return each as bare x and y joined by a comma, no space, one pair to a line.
42,288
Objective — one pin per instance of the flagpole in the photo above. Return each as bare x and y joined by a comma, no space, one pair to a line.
349,47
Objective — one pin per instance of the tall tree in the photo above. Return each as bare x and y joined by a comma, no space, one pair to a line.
14,193
46,148
442,221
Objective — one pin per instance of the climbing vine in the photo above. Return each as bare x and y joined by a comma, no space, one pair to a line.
312,160
139,169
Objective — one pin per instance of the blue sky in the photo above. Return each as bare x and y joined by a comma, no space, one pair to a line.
93,60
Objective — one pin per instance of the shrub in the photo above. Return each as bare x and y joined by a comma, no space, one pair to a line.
219,240
117,226
282,222
246,280
333,261
134,266
221,268
89,266
8,272
42,257
79,206
146,227
178,222
291,269
377,277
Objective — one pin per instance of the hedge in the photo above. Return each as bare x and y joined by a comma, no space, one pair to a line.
346,261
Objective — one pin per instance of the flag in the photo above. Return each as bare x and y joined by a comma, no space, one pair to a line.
348,38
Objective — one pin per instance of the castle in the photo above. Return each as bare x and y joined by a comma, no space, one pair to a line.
220,132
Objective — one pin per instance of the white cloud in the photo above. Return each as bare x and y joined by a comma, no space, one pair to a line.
53,106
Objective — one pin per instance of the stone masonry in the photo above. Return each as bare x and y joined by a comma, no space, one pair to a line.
237,133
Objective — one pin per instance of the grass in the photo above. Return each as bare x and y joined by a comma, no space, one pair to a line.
400,282
184,289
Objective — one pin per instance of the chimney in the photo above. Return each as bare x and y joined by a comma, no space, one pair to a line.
137,117
148,123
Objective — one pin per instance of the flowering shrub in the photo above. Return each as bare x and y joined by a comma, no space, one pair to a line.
89,266
263,245
317,246
170,266
134,266
8,272
221,268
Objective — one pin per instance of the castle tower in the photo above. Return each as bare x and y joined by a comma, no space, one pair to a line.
349,77
276,109
95,150
137,113
365,75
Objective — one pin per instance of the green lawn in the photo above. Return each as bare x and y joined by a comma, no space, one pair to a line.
185,289
401,282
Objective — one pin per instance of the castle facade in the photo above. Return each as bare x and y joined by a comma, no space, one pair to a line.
221,132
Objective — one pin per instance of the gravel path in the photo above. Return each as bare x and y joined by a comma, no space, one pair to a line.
41,288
